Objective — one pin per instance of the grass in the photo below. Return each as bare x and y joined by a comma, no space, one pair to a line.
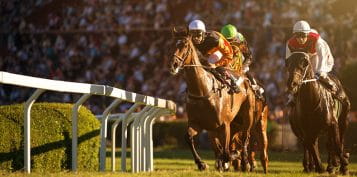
169,162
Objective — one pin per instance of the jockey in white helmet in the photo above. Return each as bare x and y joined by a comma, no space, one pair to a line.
215,47
306,40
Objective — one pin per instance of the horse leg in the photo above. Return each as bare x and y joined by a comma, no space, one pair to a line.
263,139
339,150
251,154
244,160
331,161
314,150
235,151
191,132
217,149
223,160
342,125
305,161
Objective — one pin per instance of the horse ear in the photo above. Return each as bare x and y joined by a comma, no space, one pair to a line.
187,30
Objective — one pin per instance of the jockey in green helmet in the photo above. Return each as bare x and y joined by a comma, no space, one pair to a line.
242,54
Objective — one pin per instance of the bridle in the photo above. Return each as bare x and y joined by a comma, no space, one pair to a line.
303,79
184,58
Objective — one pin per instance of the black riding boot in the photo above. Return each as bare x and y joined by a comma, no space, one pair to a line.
225,74
255,86
234,85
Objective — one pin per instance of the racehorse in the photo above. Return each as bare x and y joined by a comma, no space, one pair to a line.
209,106
258,139
315,109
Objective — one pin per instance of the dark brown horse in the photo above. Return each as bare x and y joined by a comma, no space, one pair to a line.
258,140
314,111
209,106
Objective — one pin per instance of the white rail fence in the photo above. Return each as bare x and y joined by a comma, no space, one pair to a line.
141,122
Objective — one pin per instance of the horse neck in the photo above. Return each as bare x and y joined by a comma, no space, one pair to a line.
198,81
310,92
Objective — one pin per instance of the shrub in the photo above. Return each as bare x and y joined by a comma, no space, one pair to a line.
51,138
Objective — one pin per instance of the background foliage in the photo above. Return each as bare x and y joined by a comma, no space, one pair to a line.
51,137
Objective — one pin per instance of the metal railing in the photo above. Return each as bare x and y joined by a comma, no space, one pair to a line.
143,120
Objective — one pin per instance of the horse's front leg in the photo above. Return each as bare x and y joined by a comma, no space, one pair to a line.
313,148
331,160
191,132
227,138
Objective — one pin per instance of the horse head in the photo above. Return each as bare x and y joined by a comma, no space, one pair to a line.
182,50
298,68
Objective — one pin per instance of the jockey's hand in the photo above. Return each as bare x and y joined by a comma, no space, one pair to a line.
321,74
245,68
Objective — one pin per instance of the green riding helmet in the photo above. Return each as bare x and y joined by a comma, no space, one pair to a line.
229,32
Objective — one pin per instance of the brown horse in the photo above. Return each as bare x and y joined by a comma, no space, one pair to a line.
209,106
258,140
315,110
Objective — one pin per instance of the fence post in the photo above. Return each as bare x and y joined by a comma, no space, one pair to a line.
75,110
103,132
27,128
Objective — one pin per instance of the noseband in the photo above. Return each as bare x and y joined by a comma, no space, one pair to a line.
183,59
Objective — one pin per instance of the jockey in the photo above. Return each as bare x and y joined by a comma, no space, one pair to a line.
240,46
218,50
309,41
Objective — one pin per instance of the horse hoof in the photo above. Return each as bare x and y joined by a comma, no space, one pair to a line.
226,166
219,165
202,166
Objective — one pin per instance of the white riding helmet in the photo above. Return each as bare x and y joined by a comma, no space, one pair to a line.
301,26
197,25
314,31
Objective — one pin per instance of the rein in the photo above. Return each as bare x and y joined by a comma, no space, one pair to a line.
184,65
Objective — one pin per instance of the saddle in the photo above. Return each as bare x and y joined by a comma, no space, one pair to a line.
223,78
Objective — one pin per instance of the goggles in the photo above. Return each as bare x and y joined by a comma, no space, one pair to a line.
300,35
196,33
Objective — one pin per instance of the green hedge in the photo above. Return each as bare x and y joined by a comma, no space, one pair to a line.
51,138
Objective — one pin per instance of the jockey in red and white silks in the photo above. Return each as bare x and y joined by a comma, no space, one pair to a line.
317,48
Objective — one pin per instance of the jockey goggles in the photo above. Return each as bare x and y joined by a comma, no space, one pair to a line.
196,33
300,35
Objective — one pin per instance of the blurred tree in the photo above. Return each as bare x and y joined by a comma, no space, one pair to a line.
349,81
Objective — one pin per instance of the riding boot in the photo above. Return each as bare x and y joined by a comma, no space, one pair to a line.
233,86
258,90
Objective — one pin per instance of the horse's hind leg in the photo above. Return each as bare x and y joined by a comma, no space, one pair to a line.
339,150
342,126
191,132
263,139
306,160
